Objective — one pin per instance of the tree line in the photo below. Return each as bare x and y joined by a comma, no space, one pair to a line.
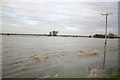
110,35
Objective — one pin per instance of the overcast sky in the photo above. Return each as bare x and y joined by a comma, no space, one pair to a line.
67,16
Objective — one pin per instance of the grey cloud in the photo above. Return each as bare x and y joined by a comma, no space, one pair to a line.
70,18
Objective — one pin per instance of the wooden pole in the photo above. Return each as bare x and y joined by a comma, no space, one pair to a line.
104,60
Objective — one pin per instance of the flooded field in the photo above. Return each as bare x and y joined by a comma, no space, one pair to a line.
55,57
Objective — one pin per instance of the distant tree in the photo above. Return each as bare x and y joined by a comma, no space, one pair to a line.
50,33
8,34
99,36
90,36
111,35
55,33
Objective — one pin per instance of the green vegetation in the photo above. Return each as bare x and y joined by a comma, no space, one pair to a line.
112,73
99,36
110,35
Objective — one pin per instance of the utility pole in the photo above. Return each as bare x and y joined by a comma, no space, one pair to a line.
106,17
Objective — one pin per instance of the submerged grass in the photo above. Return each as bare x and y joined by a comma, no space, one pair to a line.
111,73
113,48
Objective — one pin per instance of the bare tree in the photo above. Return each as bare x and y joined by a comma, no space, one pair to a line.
50,33
55,33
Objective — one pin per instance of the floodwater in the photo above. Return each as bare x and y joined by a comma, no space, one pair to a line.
62,56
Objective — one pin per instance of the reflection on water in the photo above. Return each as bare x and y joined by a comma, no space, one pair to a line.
36,57
104,59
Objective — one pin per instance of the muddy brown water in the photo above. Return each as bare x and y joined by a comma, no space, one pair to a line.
62,56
